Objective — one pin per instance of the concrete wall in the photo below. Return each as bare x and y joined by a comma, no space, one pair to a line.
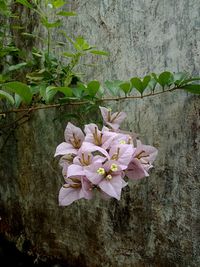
157,221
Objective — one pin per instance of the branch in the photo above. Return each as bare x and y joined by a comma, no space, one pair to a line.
84,102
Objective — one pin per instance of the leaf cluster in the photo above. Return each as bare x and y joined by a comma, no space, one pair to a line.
50,77
154,82
46,74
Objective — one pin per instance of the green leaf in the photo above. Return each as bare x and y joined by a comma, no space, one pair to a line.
4,8
137,83
93,87
3,5
192,88
81,44
36,54
99,52
100,92
25,3
18,100
113,87
152,84
190,80
146,81
165,78
78,92
126,87
58,3
154,76
21,89
180,77
66,14
49,25
67,91
6,95
66,54
17,66
50,92
35,89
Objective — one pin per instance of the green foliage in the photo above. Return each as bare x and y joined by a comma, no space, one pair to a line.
7,96
92,88
46,78
192,88
139,84
113,87
49,77
126,87
25,3
21,89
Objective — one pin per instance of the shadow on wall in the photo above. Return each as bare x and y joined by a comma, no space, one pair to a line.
11,257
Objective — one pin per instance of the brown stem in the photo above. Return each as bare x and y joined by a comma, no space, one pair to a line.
84,102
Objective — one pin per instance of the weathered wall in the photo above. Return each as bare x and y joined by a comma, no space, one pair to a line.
157,222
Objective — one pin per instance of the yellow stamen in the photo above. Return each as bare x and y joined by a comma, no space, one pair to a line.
109,177
116,155
75,180
97,138
122,142
66,185
101,171
142,155
85,161
75,141
109,114
114,167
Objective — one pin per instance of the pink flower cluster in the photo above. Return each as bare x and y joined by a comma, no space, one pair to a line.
101,159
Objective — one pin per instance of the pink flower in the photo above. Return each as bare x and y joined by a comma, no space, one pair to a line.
85,157
141,162
97,137
75,188
113,120
101,159
108,177
122,153
91,148
73,137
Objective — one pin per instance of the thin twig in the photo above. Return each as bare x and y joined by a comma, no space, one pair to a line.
12,131
84,102
15,121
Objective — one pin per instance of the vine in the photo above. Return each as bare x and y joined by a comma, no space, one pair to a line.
50,78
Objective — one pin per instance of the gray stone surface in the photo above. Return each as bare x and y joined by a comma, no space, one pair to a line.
157,222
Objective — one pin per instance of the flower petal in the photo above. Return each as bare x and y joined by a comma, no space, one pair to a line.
104,113
92,148
124,152
112,187
69,195
65,148
135,170
75,170
118,117
71,131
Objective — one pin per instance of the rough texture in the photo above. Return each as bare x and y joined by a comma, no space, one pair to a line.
157,222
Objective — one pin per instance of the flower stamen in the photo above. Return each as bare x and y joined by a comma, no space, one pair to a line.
76,142
116,155
114,167
112,120
109,177
97,138
101,171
